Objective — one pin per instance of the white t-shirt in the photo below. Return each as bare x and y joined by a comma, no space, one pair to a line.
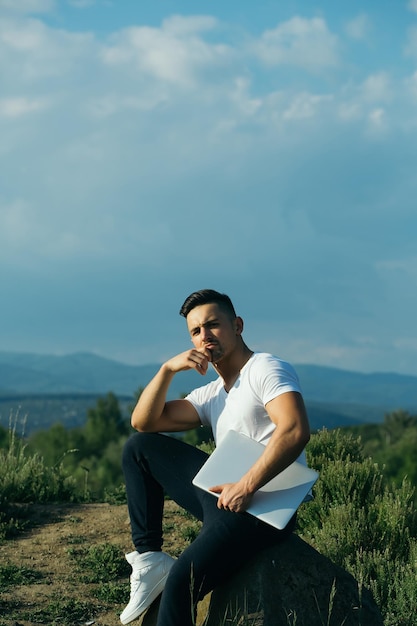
261,379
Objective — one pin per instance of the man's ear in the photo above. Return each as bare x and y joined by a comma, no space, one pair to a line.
239,325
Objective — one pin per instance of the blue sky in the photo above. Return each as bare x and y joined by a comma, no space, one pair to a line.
267,150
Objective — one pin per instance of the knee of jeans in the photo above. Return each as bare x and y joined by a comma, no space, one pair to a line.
134,445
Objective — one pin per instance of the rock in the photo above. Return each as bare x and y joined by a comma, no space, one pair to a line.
149,618
293,584
290,584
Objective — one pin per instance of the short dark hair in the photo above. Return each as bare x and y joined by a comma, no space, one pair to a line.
208,296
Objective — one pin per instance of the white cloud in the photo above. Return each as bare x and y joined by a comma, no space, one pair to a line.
327,347
180,25
102,106
407,267
128,155
240,95
22,36
32,234
305,105
377,120
411,45
359,27
301,42
376,87
368,100
17,107
30,50
173,53
126,138
349,111
412,5
406,344
82,4
411,86
16,224
28,6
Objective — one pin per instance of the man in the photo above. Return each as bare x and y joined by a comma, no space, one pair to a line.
256,394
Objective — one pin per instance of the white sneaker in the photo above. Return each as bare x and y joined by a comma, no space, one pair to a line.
149,573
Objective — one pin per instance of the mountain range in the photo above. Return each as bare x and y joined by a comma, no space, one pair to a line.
333,396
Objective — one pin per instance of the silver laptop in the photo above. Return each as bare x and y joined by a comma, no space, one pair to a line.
278,500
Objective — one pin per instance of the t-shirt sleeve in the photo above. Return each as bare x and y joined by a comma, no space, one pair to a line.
274,377
200,399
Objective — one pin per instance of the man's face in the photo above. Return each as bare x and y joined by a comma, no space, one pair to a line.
213,331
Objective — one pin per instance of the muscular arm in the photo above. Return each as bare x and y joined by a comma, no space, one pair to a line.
153,413
289,438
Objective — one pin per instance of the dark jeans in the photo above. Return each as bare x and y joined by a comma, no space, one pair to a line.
155,464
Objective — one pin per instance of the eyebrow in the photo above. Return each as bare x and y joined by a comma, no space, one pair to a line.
209,321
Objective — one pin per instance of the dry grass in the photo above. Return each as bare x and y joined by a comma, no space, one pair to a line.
49,557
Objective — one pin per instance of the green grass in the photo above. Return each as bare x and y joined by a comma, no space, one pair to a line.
102,566
190,531
61,611
11,575
112,593
99,563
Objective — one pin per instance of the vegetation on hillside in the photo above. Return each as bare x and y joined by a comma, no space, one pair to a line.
363,516
364,523
91,453
392,445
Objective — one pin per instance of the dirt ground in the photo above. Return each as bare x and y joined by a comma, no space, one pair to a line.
46,549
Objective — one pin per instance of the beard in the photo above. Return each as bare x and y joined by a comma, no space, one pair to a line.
216,352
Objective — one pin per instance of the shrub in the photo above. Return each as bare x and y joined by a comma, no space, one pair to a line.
363,523
25,478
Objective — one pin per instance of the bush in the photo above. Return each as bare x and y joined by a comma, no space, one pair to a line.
363,523
25,478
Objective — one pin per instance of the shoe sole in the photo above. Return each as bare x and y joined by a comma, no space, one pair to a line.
156,591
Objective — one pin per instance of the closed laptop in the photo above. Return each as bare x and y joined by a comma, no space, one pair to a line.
277,501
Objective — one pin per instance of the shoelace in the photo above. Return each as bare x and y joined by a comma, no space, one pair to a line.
136,578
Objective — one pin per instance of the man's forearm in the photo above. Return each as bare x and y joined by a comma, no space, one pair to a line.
151,403
280,452
289,438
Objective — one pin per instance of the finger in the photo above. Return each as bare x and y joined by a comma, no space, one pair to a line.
200,368
204,356
201,363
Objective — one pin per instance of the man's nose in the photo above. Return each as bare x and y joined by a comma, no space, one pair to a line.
205,334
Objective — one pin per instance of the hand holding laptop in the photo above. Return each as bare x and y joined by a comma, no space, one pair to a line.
233,495
277,501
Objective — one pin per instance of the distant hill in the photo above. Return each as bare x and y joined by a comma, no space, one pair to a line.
22,373
327,384
61,388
